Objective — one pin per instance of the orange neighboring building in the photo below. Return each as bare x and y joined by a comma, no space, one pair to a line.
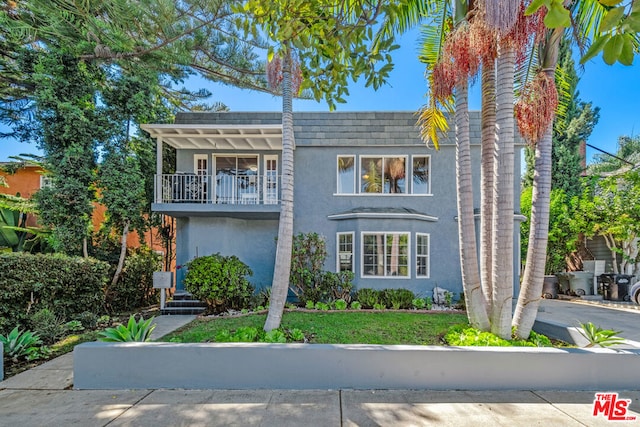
29,179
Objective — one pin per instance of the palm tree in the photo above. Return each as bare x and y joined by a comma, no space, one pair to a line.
280,286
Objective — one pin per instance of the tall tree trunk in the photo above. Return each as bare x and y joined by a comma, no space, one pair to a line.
486,175
282,270
476,305
503,206
531,291
123,253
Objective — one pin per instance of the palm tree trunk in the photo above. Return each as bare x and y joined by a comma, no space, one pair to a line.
282,269
532,282
486,175
503,205
475,302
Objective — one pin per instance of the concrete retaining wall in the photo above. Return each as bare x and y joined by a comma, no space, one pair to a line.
99,365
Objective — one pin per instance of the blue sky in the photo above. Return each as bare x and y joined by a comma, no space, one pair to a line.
615,89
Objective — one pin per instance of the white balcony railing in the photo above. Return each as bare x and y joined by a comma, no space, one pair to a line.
219,189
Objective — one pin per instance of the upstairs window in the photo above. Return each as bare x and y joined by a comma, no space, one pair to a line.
383,175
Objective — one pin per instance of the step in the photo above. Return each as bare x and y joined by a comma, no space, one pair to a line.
185,303
182,310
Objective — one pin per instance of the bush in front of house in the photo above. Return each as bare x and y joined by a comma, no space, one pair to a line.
67,285
220,281
397,298
135,287
308,281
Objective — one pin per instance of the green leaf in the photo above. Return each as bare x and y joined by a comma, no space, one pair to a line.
613,49
595,48
557,16
626,55
609,2
535,5
611,19
633,22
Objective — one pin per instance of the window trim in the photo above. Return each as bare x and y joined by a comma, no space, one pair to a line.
385,233
428,256
355,174
409,188
338,252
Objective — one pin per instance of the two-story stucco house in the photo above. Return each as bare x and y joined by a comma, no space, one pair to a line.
385,203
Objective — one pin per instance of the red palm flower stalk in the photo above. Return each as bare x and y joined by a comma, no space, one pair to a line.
536,107
274,74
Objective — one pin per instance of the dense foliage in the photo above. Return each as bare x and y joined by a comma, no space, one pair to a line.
308,280
221,281
66,285
135,287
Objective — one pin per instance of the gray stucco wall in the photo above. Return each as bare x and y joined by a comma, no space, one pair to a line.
253,241
320,138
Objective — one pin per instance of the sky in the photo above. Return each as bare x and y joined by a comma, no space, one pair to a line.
615,89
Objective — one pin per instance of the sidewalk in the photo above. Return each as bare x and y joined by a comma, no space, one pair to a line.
43,396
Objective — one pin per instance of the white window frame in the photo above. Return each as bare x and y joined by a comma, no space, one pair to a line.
428,193
340,253
427,256
355,174
385,233
382,156
357,185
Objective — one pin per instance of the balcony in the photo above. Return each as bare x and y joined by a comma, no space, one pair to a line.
239,196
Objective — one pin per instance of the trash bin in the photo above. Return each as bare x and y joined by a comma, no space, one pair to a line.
620,288
563,282
615,287
581,282
604,285
550,287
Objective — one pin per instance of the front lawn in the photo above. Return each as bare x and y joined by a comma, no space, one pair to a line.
336,327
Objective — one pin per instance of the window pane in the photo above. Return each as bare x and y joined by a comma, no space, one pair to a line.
421,175
422,255
373,255
394,175
371,175
345,252
346,175
386,254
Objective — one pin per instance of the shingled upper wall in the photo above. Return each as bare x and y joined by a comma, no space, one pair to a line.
336,128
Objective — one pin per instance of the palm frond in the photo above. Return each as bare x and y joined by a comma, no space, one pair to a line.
404,16
432,121
433,34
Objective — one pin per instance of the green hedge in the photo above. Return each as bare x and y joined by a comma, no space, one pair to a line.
135,287
66,285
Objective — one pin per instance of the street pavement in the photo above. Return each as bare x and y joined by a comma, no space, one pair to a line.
44,396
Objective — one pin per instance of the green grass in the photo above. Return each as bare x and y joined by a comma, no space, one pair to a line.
336,327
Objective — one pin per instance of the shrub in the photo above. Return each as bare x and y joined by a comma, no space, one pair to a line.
355,305
135,287
338,285
220,281
323,306
419,303
48,326
379,306
428,301
29,282
88,319
368,297
135,330
310,305
340,304
19,344
397,298
307,258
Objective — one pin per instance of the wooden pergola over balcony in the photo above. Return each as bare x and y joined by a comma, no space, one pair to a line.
221,138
